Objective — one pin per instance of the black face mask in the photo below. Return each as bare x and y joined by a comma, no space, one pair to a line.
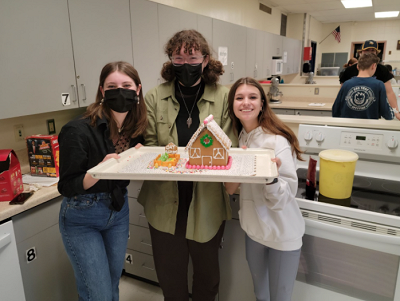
187,74
120,100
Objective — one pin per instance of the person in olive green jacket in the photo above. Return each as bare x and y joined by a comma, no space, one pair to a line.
186,218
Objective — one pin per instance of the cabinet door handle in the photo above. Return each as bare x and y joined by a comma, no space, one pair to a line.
5,240
84,91
74,93
141,215
145,243
143,266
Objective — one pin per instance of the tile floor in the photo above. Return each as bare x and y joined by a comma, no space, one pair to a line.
131,289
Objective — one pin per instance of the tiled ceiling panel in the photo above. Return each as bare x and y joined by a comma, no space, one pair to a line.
327,11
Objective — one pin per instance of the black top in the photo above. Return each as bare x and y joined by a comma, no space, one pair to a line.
381,73
189,97
81,148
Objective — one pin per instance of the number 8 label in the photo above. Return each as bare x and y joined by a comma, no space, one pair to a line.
31,255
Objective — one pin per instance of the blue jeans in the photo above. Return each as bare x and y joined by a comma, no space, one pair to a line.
273,271
95,239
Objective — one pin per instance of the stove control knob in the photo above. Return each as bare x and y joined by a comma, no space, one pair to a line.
383,209
392,143
396,211
320,137
308,136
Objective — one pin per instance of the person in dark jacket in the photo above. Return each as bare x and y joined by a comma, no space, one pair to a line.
381,73
94,215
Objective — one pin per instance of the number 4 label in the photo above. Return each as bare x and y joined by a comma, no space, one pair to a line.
128,258
31,255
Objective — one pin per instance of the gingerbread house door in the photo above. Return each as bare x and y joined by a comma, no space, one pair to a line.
206,160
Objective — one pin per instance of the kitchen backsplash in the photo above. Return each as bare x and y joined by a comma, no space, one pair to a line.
32,125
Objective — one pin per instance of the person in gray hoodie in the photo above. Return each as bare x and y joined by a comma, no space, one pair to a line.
269,213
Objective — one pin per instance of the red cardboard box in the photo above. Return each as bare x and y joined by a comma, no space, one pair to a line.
10,176
43,153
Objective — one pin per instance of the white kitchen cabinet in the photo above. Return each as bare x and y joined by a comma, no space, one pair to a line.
139,254
11,285
101,33
145,41
255,54
43,69
272,48
231,36
313,113
233,264
292,48
204,26
46,270
36,57
170,21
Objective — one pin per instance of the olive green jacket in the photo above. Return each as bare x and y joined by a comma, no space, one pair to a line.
210,203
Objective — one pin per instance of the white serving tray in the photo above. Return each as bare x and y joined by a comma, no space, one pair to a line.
248,166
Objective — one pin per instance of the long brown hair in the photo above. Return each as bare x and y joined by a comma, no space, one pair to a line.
267,119
191,39
135,122
351,61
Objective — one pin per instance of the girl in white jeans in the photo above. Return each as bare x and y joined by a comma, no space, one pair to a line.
269,213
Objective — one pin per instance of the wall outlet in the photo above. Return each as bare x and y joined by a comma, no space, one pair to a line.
51,126
316,91
19,132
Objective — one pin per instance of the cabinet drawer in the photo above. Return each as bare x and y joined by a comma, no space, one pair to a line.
134,188
38,219
235,205
313,113
136,213
283,111
139,239
140,264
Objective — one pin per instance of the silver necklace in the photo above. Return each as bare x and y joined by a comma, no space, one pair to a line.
189,120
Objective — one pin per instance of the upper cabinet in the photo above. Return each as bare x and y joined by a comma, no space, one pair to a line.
101,33
36,58
145,41
52,51
292,52
228,40
255,66
170,21
44,67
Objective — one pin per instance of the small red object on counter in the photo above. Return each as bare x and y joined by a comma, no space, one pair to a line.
10,176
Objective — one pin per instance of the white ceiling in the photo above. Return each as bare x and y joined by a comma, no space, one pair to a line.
333,11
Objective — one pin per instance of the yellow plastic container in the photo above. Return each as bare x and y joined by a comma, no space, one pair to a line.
336,173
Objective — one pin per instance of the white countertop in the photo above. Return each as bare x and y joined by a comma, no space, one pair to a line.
43,195
302,103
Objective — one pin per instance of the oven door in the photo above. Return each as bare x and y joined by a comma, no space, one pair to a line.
347,259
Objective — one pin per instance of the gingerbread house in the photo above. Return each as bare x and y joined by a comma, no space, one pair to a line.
209,145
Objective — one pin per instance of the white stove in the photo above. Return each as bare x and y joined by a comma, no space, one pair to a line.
351,250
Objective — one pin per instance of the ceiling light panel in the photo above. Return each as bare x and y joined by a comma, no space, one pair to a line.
356,3
386,14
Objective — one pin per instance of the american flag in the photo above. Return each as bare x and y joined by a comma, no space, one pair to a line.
336,33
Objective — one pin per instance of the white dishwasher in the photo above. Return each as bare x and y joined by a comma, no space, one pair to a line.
11,286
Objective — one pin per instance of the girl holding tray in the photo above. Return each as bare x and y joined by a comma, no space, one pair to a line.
94,215
186,218
269,213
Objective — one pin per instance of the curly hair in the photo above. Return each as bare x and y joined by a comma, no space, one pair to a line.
191,40
267,119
